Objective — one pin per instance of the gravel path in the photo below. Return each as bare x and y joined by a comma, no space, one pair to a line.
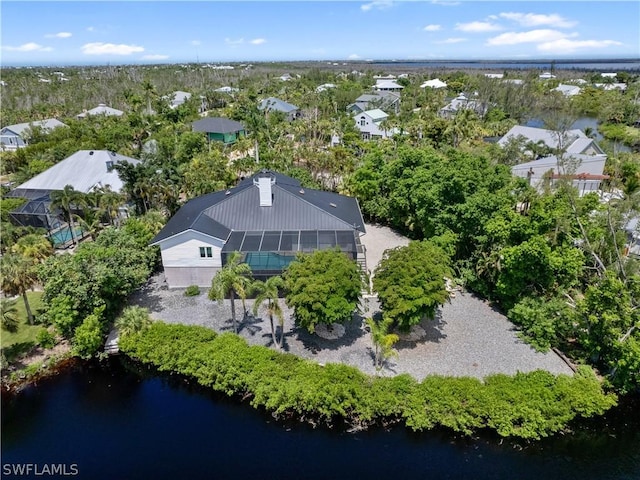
467,338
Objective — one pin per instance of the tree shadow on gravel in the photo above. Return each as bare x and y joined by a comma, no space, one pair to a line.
432,333
315,343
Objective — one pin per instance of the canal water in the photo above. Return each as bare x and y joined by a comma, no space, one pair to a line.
112,420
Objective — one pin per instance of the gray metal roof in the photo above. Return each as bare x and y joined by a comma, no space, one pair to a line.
83,170
583,164
217,125
575,140
238,209
273,103
102,109
48,124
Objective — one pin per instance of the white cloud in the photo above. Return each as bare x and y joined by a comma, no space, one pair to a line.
258,41
532,36
452,40
91,29
478,27
58,35
378,5
445,3
195,43
537,20
432,28
353,56
154,57
564,45
100,48
27,47
231,41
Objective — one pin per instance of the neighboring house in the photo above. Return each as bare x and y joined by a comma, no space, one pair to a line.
369,123
387,86
324,86
389,101
285,77
85,171
584,171
608,75
227,90
273,104
177,98
101,109
572,142
514,81
461,102
494,75
435,83
268,217
219,129
568,90
632,248
546,76
13,137
611,86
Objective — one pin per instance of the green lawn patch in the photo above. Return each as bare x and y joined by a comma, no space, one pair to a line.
17,343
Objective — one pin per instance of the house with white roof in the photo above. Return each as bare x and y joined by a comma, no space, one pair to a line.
494,75
546,76
383,85
177,98
585,172
227,90
369,123
568,90
571,142
435,83
325,86
15,136
85,170
101,109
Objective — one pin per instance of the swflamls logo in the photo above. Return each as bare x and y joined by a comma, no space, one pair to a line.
40,469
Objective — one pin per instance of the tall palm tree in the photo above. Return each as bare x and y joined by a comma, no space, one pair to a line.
16,277
66,200
267,296
229,281
34,247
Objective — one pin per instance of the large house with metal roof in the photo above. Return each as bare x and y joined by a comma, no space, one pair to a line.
13,137
219,129
572,141
268,217
85,171
384,100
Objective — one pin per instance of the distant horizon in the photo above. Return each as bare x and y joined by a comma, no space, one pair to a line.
342,62
80,33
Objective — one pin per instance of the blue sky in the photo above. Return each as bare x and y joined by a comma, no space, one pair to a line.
98,32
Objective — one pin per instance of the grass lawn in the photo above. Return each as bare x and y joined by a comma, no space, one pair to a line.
14,344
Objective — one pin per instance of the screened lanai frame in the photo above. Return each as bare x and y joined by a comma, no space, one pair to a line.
269,252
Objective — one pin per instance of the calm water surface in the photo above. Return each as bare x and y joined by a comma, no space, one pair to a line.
115,422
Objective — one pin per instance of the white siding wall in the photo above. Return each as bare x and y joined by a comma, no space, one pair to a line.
182,262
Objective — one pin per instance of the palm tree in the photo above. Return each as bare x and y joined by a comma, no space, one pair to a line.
34,247
382,340
267,295
65,200
16,277
229,281
133,319
8,315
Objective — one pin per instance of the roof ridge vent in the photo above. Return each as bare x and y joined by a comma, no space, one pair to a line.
301,191
333,205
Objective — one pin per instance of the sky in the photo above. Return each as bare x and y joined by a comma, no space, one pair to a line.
121,32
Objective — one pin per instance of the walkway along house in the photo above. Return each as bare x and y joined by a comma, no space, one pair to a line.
268,217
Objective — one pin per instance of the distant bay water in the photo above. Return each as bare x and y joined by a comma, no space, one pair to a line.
604,66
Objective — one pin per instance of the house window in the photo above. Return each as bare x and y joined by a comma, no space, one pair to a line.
363,121
206,252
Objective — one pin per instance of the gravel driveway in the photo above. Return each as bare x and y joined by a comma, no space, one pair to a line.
467,338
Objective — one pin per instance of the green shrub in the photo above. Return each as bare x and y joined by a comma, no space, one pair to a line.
192,291
87,339
527,405
45,338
